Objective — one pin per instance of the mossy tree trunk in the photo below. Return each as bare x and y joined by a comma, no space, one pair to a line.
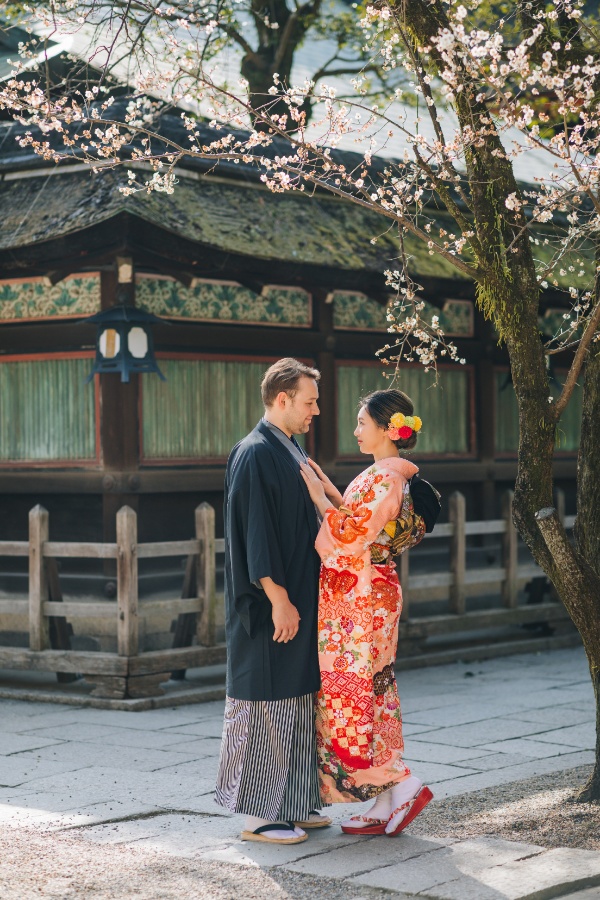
508,292
587,533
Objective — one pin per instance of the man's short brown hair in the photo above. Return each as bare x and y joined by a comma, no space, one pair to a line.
284,375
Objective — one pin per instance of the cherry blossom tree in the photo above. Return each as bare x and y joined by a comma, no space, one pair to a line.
478,95
258,39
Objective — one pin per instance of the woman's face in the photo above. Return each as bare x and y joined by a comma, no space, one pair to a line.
370,436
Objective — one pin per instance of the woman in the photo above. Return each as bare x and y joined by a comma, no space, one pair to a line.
359,724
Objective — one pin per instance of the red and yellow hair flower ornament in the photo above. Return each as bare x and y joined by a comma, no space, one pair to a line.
401,427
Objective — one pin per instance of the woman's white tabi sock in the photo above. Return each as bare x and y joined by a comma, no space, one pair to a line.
401,793
253,822
382,808
404,790
388,801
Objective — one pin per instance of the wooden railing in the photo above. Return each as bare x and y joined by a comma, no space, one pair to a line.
129,672
459,582
133,673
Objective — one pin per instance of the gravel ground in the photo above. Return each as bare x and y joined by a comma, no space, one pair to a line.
540,810
65,866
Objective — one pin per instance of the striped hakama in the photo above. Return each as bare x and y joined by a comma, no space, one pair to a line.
268,763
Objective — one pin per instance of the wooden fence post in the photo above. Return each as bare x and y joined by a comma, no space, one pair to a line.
206,574
404,579
39,631
458,553
127,583
510,561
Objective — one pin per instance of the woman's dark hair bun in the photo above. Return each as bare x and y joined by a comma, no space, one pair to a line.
381,406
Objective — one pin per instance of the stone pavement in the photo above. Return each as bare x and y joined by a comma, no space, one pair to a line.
145,780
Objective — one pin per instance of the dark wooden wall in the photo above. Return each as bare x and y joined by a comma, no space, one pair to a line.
83,501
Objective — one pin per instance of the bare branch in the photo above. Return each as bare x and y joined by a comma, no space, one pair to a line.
577,364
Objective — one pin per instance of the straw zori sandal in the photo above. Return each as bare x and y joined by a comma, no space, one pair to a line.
321,822
262,834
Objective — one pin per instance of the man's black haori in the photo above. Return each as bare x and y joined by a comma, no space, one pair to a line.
270,531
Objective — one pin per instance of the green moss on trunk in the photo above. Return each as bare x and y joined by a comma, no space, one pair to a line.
587,536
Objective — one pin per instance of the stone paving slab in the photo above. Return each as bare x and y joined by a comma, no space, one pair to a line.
466,860
17,743
492,762
434,773
544,875
138,759
580,736
566,696
370,855
479,734
561,717
422,751
531,746
459,714
160,786
17,770
484,869
146,780
483,780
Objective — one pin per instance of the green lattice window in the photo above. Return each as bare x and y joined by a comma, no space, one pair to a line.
203,408
47,412
507,416
444,409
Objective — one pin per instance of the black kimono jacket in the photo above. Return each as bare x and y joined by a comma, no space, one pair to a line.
270,531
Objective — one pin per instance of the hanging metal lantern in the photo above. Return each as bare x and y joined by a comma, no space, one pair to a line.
124,342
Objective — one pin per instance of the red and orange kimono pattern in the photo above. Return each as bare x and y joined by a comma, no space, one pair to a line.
359,723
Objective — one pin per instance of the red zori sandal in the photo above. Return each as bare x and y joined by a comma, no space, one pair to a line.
405,814
369,826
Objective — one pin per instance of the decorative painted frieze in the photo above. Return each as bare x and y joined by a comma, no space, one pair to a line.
225,302
358,312
74,297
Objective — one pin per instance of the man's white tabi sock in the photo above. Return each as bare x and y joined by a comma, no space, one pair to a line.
253,822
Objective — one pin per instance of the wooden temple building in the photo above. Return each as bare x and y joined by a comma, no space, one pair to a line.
241,276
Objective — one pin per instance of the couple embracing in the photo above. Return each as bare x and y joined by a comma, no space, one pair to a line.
313,601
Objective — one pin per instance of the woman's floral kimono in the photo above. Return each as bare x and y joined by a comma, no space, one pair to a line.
359,724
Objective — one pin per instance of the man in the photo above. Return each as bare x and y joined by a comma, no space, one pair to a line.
268,764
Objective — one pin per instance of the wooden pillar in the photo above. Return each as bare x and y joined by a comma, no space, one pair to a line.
127,583
326,424
119,401
39,632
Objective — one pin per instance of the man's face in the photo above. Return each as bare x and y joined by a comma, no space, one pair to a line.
300,409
